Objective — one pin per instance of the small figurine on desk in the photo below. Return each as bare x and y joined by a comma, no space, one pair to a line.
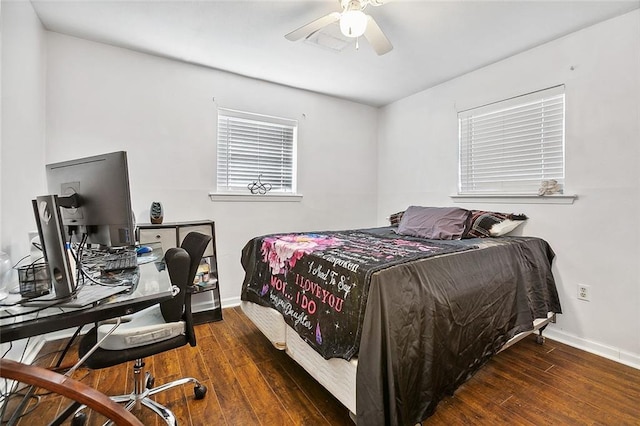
155,212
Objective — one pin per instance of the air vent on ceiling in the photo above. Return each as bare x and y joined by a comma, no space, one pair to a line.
330,38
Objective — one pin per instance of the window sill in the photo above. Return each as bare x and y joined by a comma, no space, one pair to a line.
224,196
511,199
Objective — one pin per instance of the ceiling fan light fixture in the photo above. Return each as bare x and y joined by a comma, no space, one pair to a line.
353,23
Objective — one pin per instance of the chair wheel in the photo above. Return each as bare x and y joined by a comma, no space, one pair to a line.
199,391
79,419
150,382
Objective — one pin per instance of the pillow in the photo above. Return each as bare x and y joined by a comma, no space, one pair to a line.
435,223
492,224
394,219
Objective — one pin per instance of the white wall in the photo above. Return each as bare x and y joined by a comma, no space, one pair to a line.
101,98
595,239
22,138
1,121
23,123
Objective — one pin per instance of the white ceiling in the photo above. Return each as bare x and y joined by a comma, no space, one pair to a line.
433,41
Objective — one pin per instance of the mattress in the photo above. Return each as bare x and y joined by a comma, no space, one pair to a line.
337,375
269,321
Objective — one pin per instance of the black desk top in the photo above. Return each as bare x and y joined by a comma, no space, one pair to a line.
19,322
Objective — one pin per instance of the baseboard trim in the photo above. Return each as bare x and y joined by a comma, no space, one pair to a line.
605,351
230,302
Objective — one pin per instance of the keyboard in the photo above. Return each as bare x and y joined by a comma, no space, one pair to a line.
120,261
87,295
90,294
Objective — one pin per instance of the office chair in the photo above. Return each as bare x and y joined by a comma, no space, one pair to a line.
157,329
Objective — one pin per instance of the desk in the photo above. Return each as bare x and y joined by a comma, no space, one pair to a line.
153,287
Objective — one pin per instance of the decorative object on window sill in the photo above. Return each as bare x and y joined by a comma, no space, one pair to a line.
155,212
549,187
257,187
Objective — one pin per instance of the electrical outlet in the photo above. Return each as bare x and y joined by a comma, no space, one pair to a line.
583,292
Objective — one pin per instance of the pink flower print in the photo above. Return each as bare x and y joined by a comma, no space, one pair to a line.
282,252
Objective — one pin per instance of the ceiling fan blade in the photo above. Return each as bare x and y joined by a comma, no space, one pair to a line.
376,37
312,27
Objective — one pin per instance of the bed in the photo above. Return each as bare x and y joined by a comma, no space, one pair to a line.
390,324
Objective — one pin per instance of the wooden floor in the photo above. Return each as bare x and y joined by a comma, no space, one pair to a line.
252,383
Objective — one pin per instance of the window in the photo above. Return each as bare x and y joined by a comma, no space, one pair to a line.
512,146
256,149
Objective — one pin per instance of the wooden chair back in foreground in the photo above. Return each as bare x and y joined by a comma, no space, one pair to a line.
69,388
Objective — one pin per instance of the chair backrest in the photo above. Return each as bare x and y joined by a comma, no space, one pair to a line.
182,265
178,264
195,243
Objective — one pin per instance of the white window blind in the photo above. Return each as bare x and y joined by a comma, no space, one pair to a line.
511,146
252,147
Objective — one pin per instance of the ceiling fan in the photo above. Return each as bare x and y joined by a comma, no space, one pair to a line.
353,23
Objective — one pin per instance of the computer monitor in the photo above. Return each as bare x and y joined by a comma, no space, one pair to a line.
95,199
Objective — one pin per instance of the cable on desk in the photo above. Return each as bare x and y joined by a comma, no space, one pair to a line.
95,258
93,280
15,265
79,255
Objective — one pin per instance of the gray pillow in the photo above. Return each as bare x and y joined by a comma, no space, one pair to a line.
434,223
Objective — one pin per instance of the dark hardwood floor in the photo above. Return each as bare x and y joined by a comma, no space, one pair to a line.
252,383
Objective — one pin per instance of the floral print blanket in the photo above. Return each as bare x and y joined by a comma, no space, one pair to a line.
319,281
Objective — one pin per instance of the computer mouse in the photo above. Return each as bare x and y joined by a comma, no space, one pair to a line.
143,249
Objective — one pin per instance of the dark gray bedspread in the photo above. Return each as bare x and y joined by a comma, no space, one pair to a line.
319,281
430,324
